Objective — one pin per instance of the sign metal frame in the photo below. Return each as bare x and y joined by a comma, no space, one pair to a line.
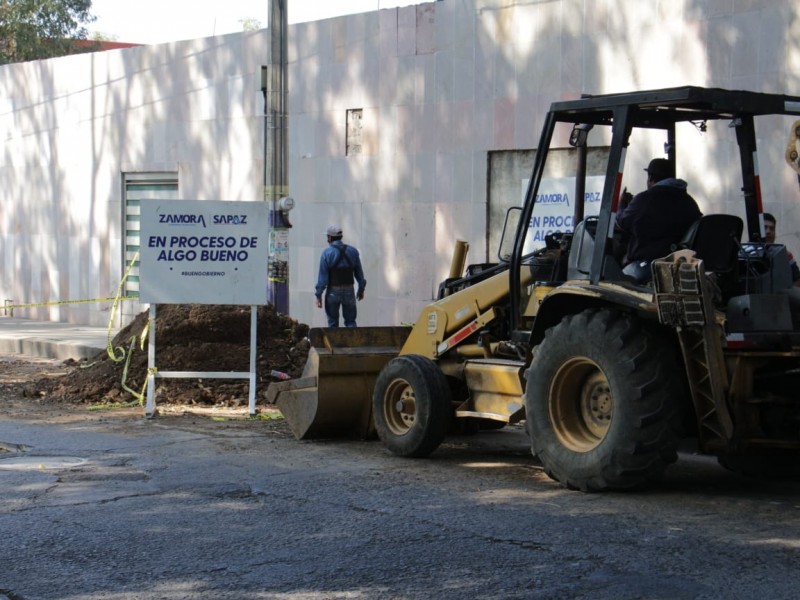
255,228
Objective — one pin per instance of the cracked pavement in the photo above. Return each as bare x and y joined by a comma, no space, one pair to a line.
111,505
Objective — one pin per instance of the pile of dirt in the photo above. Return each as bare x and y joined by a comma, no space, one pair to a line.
189,337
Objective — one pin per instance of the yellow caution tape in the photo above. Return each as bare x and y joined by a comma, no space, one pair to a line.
114,307
119,353
123,355
58,302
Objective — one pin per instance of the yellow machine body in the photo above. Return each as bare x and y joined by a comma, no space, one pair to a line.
334,394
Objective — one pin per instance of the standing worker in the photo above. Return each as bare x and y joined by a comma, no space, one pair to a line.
339,269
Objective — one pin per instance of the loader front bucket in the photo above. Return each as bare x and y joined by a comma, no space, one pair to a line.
333,396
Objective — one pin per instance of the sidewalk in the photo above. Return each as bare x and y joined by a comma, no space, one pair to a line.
51,340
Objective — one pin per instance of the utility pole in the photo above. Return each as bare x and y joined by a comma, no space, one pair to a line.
274,79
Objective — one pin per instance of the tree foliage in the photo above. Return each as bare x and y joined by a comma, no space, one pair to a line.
250,24
36,29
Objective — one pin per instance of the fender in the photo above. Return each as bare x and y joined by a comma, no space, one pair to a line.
574,296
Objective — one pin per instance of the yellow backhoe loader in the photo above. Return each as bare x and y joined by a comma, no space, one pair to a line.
610,371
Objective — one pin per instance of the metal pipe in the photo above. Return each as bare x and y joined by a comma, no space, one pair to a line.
459,259
276,186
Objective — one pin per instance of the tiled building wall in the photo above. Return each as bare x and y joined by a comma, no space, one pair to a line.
70,127
444,83
439,85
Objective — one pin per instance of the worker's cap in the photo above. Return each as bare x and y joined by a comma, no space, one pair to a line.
659,168
333,231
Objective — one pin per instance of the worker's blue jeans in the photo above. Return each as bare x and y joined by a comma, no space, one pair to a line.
344,296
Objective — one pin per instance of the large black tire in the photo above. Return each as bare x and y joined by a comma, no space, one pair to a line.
411,406
603,402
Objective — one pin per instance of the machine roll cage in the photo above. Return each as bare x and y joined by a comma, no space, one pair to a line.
656,109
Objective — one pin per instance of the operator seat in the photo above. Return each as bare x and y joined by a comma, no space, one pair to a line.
580,255
716,240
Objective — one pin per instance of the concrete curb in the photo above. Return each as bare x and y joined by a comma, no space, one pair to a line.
51,340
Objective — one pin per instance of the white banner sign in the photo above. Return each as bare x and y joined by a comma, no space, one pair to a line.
555,206
203,252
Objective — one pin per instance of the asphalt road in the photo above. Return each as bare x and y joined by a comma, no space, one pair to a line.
113,506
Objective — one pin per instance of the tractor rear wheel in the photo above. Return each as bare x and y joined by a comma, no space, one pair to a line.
603,402
411,406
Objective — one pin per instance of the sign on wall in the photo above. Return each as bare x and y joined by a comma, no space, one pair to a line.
555,206
203,252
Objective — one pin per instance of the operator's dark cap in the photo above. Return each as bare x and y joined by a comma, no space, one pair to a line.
333,231
659,168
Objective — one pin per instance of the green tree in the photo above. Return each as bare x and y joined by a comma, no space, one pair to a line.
250,24
36,29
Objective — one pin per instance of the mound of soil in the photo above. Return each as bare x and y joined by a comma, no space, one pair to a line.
193,337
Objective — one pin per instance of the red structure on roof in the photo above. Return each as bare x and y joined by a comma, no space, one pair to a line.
103,45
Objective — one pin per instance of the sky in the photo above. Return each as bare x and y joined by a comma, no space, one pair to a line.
157,21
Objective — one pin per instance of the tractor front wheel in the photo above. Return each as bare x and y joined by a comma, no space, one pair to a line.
411,406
